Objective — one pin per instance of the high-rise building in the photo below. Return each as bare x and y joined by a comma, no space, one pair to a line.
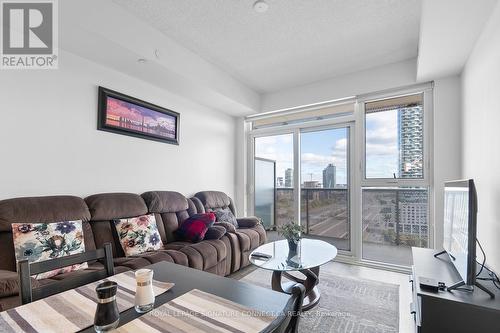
329,176
413,219
279,182
411,141
310,184
289,177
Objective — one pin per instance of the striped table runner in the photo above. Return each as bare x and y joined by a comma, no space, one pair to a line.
198,311
72,310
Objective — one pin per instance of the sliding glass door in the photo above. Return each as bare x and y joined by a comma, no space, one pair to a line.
325,193
275,150
321,155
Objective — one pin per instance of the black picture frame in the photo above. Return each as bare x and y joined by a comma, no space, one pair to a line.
127,127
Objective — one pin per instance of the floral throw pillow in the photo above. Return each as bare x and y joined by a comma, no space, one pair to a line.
226,215
138,234
44,241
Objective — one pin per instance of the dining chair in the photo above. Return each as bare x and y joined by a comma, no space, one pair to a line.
26,270
288,320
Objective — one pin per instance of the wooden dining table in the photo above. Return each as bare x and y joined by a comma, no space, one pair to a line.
187,279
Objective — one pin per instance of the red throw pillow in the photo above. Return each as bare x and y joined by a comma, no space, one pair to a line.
194,228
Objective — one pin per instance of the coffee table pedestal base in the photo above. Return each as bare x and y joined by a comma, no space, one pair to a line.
311,296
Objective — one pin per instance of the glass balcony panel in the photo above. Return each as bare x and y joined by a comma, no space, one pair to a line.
394,220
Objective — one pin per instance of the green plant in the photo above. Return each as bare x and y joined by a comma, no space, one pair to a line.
291,231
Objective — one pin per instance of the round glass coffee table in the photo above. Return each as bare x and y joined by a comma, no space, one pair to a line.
310,255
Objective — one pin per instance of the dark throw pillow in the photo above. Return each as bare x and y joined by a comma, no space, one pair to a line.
228,226
194,228
215,232
226,215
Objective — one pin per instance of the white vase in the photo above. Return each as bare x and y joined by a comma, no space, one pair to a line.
144,294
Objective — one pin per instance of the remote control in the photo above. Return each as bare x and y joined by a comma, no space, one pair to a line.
261,255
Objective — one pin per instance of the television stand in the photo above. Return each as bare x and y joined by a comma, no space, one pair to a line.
458,285
444,311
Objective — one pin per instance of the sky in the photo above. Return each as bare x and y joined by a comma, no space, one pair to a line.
120,108
320,148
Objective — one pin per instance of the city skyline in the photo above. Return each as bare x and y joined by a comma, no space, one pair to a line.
317,153
123,114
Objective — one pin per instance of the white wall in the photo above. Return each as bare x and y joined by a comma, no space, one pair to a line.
481,134
49,143
447,144
367,81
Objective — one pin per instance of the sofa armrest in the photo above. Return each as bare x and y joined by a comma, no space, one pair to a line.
228,226
215,232
248,222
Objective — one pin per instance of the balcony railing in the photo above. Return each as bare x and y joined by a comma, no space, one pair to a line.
324,212
391,217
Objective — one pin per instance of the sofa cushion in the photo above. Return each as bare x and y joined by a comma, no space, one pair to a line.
248,222
45,241
165,201
110,206
228,226
38,210
250,239
96,266
225,215
107,207
205,254
213,199
148,258
177,245
42,210
171,210
138,234
215,232
9,283
194,228
165,255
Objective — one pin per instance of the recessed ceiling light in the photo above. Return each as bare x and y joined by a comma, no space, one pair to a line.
141,60
260,6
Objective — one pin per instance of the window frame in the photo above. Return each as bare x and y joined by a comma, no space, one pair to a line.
426,182
357,177
426,91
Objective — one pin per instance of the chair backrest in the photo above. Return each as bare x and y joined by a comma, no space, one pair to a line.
26,270
288,320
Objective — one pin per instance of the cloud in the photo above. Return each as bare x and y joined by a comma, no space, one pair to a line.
311,158
341,144
382,134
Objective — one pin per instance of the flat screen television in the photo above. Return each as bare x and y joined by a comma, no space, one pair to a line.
460,216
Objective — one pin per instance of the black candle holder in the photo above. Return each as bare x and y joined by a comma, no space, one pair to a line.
107,315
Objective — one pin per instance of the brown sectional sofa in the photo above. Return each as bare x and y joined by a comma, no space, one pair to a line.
249,236
221,256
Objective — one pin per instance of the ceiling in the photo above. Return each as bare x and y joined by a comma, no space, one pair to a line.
295,42
448,32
